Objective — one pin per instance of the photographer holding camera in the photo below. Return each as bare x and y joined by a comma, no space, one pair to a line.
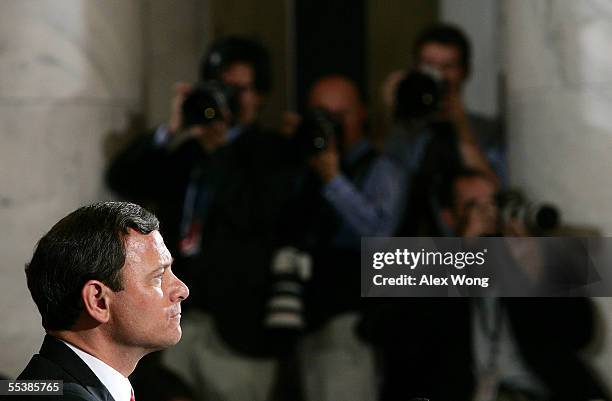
444,51
433,134
348,191
159,168
222,181
494,348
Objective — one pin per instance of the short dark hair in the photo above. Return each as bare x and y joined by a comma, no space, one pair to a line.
449,35
225,52
446,194
88,244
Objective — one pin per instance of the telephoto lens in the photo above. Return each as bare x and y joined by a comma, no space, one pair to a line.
208,102
291,269
536,217
419,95
316,131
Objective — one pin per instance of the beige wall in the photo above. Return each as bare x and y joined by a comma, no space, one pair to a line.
266,22
69,74
176,35
392,27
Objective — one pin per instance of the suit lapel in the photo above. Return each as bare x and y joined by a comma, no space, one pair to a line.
58,352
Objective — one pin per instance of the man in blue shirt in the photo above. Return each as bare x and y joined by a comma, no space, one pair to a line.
353,192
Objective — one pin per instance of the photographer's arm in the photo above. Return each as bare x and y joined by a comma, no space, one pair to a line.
373,211
469,149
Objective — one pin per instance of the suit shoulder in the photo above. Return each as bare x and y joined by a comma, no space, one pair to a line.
76,392
40,367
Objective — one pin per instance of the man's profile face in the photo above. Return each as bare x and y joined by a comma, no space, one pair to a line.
445,59
242,76
146,313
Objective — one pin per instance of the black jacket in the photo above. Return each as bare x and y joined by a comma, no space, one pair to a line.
427,346
251,180
157,178
56,361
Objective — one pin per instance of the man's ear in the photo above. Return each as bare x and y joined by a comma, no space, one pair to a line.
95,297
448,218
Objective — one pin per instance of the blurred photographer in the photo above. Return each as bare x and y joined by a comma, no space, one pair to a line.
348,191
433,134
159,168
497,349
469,207
444,52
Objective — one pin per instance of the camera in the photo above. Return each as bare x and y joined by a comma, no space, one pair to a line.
208,102
419,94
291,269
537,217
316,131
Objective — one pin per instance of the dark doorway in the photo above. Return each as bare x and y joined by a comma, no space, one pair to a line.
330,38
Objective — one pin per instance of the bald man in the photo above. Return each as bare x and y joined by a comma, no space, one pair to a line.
353,192
361,186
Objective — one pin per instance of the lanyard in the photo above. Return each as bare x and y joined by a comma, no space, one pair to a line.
489,312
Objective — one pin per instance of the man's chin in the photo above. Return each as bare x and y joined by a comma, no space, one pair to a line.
168,342
177,336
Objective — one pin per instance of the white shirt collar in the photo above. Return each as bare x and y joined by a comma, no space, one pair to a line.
118,385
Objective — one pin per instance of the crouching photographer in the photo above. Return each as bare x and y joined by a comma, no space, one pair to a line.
494,348
471,206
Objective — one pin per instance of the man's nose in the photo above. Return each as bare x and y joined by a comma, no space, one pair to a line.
179,291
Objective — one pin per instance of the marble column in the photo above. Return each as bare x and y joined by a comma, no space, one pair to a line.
479,20
70,74
559,105
559,110
176,36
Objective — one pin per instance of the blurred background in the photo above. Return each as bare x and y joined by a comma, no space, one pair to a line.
80,78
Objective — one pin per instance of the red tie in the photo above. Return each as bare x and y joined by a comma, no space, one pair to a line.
132,396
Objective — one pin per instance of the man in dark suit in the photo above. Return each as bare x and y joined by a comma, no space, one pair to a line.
102,281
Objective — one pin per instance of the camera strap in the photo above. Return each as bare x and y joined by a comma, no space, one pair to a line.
489,320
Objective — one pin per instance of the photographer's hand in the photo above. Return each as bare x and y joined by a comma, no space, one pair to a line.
210,136
389,88
326,163
525,249
479,220
289,124
181,90
454,109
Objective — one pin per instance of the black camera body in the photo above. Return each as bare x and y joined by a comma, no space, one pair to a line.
316,131
419,95
208,102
